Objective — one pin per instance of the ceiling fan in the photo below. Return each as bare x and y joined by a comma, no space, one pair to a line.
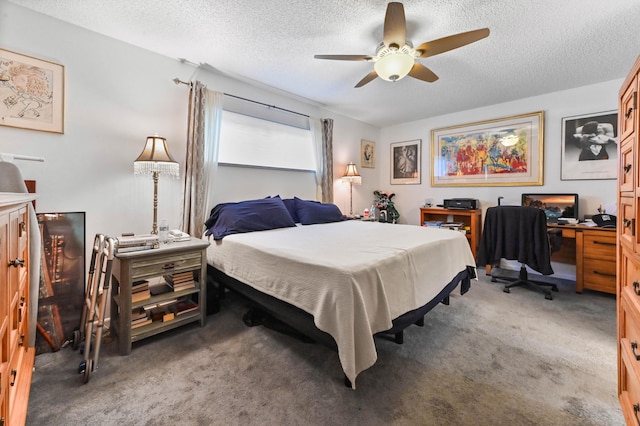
396,57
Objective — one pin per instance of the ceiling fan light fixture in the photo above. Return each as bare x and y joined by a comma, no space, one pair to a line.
394,66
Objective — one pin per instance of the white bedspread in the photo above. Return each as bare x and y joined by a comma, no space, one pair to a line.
354,277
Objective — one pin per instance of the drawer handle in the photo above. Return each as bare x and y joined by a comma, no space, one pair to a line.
604,243
636,409
168,266
16,262
634,346
605,274
627,168
14,374
636,287
628,113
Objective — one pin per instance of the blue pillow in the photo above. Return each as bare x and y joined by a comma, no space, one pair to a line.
247,216
290,204
312,212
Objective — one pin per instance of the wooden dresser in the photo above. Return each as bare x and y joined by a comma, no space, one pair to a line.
16,357
628,250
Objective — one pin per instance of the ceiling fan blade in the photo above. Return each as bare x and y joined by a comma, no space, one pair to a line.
441,45
423,73
345,57
368,78
395,25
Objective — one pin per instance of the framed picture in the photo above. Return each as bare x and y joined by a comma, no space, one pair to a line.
405,162
367,154
590,146
31,93
501,152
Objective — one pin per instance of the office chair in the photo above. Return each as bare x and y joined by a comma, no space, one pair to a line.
517,233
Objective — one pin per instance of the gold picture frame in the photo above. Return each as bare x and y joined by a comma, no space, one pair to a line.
367,154
31,93
500,152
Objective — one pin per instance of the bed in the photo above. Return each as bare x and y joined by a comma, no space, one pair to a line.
340,282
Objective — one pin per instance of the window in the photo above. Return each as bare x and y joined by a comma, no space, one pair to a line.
256,141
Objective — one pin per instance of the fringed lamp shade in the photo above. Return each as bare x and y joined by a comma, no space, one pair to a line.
351,175
155,159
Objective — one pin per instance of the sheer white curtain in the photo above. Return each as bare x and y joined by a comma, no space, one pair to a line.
322,132
212,124
205,108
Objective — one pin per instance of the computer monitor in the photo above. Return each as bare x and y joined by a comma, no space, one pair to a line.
554,205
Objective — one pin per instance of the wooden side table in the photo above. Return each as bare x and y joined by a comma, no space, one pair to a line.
153,265
470,218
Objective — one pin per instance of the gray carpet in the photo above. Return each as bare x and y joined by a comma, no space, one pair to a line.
490,358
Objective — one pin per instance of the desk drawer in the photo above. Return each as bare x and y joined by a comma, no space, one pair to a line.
600,275
599,246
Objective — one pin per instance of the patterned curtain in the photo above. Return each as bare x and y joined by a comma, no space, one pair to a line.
324,168
203,135
194,175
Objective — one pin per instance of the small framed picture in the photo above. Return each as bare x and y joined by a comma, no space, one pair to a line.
590,146
367,154
405,162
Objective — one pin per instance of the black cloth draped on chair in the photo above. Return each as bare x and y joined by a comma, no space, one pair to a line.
517,233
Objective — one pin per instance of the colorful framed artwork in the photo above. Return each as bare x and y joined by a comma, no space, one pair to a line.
405,162
590,146
500,152
31,93
367,154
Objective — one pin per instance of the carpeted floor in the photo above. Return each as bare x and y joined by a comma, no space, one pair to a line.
490,358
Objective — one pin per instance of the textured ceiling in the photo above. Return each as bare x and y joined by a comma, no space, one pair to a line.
535,47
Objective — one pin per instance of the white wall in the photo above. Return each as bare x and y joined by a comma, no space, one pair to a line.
116,95
583,100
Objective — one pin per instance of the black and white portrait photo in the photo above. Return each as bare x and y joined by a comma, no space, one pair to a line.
405,162
590,146
367,154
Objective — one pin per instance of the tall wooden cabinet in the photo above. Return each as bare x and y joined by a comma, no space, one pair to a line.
628,250
16,357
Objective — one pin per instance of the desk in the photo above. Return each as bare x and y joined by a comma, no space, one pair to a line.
594,256
593,251
470,218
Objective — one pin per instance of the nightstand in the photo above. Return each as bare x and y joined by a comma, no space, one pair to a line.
157,267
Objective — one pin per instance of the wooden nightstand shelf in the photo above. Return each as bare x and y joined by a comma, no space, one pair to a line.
470,218
153,265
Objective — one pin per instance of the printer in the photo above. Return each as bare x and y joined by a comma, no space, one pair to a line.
461,203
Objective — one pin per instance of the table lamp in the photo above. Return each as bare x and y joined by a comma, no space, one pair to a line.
155,159
352,176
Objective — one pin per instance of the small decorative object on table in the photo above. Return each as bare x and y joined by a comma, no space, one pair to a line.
387,211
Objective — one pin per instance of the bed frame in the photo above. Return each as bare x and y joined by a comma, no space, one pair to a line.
303,323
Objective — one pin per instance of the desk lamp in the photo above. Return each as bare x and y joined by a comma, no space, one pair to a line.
155,159
352,176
